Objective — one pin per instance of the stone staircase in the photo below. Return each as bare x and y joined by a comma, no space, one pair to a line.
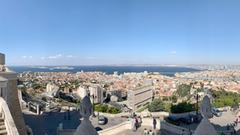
3,130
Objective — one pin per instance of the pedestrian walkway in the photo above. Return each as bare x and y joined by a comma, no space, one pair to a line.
140,131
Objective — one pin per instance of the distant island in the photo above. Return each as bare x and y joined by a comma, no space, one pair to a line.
164,70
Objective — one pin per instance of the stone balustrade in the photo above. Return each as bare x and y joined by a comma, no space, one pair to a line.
116,129
8,120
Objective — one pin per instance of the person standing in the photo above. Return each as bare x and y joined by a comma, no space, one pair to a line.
139,121
133,124
154,123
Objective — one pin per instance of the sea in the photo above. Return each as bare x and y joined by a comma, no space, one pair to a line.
164,70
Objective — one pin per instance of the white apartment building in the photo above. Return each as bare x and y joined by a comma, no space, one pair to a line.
96,93
140,96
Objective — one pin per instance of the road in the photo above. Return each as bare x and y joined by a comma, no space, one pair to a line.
111,122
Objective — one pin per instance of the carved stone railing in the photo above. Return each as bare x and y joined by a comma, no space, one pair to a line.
8,120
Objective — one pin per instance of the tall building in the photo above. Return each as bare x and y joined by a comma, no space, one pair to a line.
51,87
96,93
140,96
9,93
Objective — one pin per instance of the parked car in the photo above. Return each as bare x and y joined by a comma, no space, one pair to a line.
216,112
102,120
98,129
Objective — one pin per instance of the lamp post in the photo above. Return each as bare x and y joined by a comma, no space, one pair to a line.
197,98
93,97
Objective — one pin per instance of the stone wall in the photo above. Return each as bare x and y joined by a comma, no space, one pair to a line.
13,101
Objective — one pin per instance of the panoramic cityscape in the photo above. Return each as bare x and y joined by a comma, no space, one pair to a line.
119,67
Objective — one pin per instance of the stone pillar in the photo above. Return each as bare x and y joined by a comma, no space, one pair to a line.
29,108
14,106
38,110
20,98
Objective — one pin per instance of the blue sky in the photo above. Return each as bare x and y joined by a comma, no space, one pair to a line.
96,32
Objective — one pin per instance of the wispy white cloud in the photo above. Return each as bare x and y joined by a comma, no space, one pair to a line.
24,57
91,58
27,57
69,56
55,56
173,52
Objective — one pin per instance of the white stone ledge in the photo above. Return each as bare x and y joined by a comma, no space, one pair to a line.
116,129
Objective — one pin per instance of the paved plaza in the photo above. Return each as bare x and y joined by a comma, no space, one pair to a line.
140,131
227,118
112,121
219,123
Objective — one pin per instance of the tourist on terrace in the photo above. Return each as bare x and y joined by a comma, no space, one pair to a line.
134,124
154,123
139,121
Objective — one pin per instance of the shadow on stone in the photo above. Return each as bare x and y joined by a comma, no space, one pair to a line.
47,123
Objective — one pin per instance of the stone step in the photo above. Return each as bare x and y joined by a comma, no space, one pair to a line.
2,127
3,132
1,119
2,123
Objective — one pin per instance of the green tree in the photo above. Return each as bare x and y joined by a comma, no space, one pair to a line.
182,108
183,90
106,109
174,99
223,98
156,106
113,110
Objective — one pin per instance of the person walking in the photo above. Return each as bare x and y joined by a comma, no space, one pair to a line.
136,123
154,123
